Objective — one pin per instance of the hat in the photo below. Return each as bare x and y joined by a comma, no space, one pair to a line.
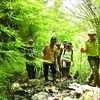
53,39
69,43
64,42
91,31
30,40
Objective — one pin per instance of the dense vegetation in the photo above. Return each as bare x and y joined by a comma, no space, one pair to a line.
21,20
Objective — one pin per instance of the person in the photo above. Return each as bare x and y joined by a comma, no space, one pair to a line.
58,55
30,57
91,48
67,59
63,48
49,57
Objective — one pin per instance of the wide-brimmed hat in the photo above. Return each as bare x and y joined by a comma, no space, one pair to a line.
64,42
69,44
31,40
91,31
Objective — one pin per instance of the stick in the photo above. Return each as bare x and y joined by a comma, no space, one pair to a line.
80,67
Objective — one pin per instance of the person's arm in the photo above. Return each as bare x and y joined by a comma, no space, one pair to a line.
55,55
61,51
61,58
43,51
72,61
72,56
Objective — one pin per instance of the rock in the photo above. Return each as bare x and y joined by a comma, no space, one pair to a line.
51,89
59,81
54,98
67,98
16,86
40,96
90,93
24,85
48,83
16,97
87,92
34,82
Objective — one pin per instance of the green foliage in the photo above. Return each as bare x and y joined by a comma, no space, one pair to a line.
11,62
21,20
2,97
98,1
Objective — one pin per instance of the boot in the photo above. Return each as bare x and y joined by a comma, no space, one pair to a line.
90,79
46,78
54,77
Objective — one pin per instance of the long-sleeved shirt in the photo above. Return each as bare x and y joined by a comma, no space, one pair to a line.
92,47
49,53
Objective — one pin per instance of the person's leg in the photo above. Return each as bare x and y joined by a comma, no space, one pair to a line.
94,63
91,63
90,78
46,66
96,74
29,71
64,68
33,71
58,61
65,72
68,68
53,68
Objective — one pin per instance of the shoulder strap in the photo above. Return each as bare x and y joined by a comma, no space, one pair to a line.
64,51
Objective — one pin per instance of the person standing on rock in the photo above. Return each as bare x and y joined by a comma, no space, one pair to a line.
67,59
49,58
30,57
63,49
58,56
91,48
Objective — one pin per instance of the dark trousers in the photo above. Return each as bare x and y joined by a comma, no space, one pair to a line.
94,63
30,70
66,70
46,67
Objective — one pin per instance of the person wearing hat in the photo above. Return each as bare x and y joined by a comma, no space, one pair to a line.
49,59
64,46
67,59
62,49
30,57
91,48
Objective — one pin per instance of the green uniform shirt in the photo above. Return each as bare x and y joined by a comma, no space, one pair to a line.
92,48
30,53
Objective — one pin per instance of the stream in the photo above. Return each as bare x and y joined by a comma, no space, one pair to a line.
62,89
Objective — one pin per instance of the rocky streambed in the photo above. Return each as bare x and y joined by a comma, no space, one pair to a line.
62,89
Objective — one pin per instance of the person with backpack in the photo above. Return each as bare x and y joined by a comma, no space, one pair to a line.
49,58
67,59
62,49
30,57
91,48
58,56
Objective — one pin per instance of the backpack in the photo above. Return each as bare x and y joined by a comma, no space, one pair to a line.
30,55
